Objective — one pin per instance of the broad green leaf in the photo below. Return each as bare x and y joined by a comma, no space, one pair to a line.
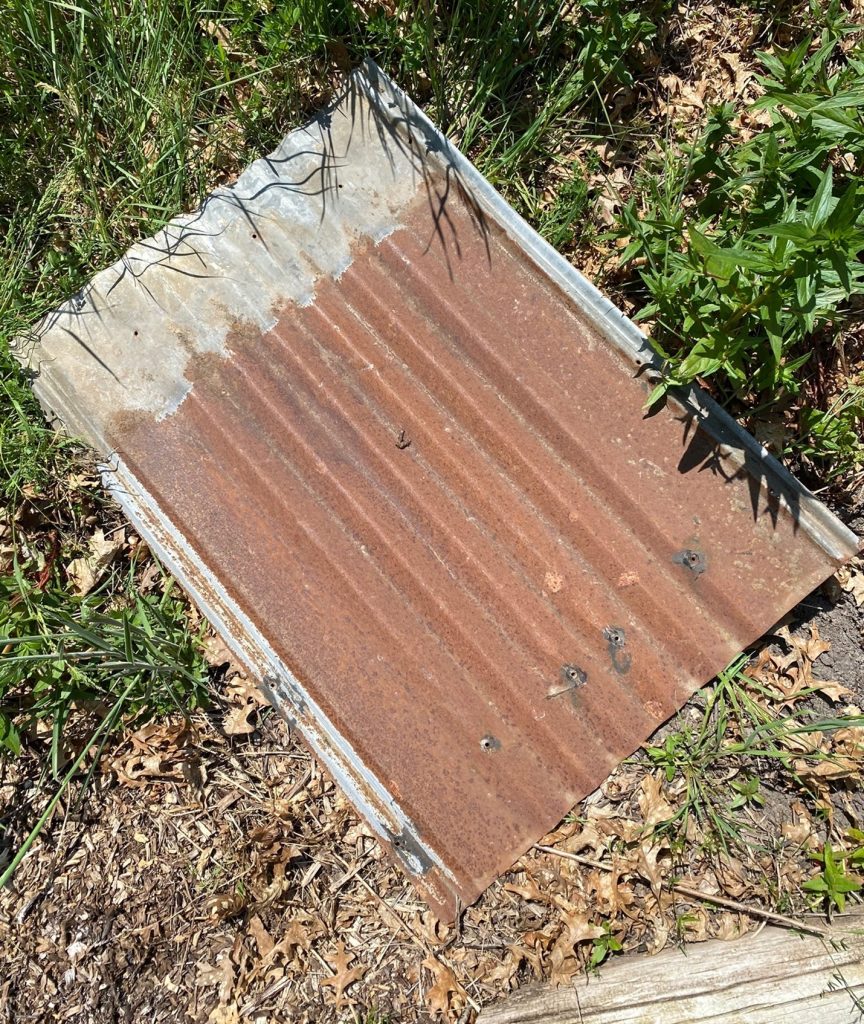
9,737
723,262
844,213
821,203
658,393
796,232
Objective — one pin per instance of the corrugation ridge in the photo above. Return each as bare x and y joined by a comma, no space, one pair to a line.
550,609
821,526
623,509
579,554
409,490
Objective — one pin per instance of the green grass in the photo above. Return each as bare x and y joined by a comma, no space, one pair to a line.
738,744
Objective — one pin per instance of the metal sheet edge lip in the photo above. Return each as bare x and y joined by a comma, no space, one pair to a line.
820,523
348,769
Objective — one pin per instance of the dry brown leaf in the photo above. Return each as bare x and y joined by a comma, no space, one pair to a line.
577,928
840,764
612,895
446,993
216,651
224,907
262,937
220,974
648,867
728,927
244,690
739,75
833,690
653,804
809,648
434,931
237,723
851,579
504,970
344,976
796,832
224,1015
85,572
529,891
149,578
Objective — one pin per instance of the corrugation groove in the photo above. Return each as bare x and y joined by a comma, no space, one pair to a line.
553,391
235,454
535,416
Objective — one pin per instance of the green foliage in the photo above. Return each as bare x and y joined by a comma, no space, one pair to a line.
749,246
603,945
747,793
832,883
565,219
834,434
704,751
62,653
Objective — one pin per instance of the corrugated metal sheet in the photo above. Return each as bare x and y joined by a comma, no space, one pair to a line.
394,446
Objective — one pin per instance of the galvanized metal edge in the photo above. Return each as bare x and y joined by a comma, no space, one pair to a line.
813,516
364,789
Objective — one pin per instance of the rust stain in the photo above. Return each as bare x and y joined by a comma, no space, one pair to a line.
432,495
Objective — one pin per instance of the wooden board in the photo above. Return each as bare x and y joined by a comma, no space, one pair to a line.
771,977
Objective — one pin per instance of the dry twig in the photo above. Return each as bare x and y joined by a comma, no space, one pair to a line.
697,894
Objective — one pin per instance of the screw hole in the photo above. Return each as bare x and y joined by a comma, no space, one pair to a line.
489,744
134,334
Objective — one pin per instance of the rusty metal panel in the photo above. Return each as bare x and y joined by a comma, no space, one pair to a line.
394,446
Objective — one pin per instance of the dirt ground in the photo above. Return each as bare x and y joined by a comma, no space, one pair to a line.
219,878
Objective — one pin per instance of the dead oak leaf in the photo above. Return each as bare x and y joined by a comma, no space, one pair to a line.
344,976
577,928
653,804
220,974
446,993
242,689
851,579
805,648
85,572
833,690
263,939
504,971
237,721
224,1015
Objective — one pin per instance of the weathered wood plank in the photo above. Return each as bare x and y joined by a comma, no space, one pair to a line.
773,977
